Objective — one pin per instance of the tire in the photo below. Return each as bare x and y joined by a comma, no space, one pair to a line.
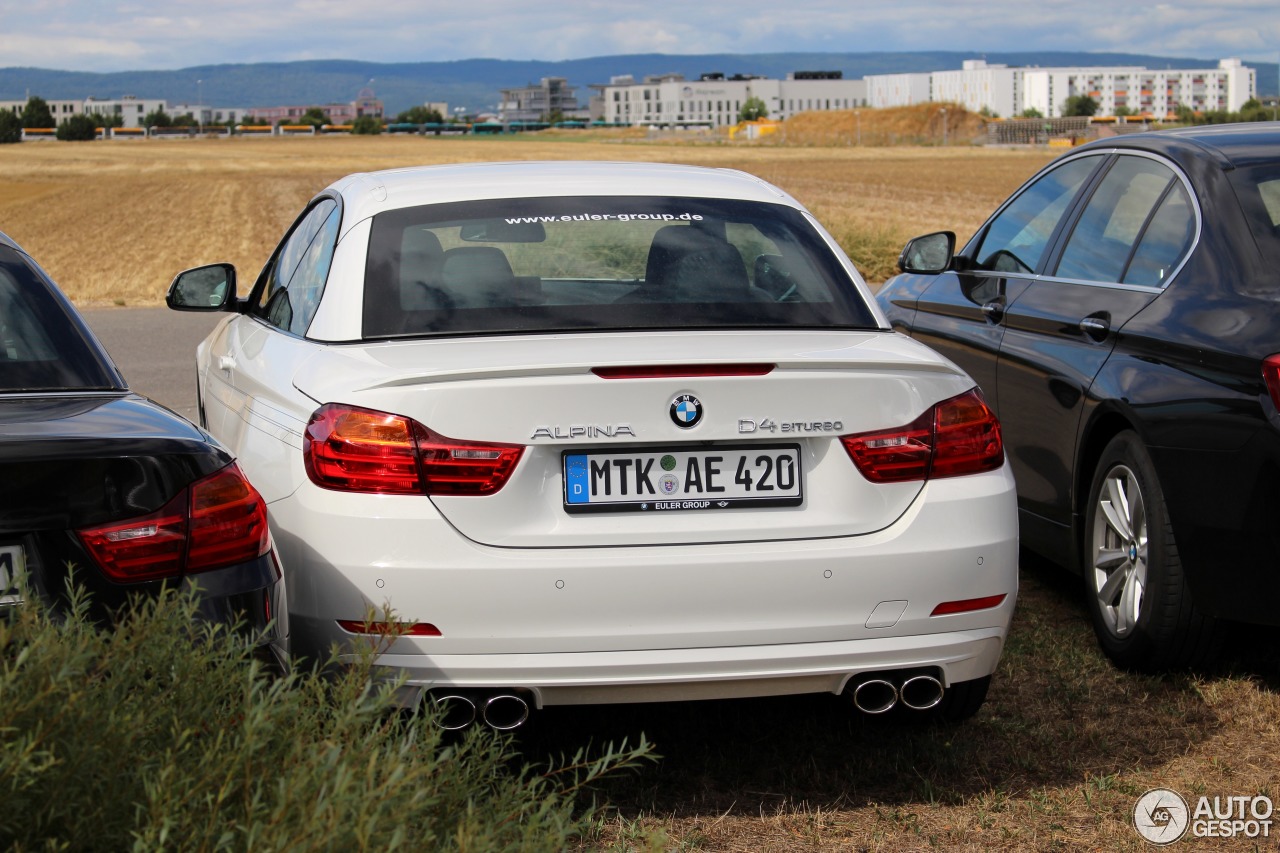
1136,591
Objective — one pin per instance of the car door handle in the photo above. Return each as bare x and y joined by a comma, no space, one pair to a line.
993,311
226,363
1095,327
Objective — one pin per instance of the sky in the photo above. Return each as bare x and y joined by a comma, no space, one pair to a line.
106,35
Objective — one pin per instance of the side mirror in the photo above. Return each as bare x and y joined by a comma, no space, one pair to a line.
207,288
929,254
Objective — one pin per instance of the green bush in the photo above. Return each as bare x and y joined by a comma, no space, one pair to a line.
10,127
157,735
366,126
77,128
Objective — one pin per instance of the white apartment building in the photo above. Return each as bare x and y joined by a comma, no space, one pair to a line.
1008,91
898,90
1142,91
204,114
715,100
130,109
61,109
978,86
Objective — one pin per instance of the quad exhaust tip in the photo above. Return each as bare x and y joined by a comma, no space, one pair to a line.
505,712
875,696
921,692
878,694
500,711
455,711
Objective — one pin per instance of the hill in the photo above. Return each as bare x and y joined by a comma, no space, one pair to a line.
475,83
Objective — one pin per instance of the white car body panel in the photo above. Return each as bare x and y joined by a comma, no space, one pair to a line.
626,606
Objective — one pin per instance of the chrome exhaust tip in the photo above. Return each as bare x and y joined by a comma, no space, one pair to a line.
505,712
454,711
875,696
921,692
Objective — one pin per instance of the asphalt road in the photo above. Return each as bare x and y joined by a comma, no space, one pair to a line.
155,349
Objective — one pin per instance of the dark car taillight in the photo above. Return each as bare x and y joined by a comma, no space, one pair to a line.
350,449
217,521
957,436
1271,376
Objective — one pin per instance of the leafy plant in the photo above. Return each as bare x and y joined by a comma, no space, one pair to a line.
36,113
10,127
157,118
77,128
166,733
753,109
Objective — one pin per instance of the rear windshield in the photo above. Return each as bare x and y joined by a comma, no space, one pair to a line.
1258,189
41,348
602,263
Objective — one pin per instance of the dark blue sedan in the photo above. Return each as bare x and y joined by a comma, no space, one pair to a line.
1121,311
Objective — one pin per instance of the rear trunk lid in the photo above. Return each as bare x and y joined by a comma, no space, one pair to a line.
750,454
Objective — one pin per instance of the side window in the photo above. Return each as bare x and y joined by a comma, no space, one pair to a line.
1018,236
274,301
307,284
1118,215
1167,239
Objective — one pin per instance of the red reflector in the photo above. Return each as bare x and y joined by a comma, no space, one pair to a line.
957,436
967,605
673,371
217,521
349,449
403,629
1271,375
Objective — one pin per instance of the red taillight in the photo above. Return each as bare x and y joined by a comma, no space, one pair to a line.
401,629
968,605
675,371
349,449
955,437
359,450
1271,376
217,521
228,522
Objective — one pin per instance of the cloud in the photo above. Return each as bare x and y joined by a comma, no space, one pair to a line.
147,34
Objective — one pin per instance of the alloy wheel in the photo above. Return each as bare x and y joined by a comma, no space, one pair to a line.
1120,551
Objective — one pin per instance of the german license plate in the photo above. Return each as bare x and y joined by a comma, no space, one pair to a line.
13,565
665,479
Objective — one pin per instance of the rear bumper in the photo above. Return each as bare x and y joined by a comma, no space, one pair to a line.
590,678
663,622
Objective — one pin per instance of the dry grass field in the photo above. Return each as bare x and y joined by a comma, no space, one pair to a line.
1065,744
113,221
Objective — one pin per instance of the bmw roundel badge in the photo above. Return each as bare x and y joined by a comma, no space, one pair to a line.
686,411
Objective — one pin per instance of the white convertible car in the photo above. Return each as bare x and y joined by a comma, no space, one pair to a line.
608,432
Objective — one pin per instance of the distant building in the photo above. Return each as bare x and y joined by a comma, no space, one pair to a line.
210,115
552,96
1007,91
365,104
61,109
714,100
1143,91
130,109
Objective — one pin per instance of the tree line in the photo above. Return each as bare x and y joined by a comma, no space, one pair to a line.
84,126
